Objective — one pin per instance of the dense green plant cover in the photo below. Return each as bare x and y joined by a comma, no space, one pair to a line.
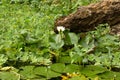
30,50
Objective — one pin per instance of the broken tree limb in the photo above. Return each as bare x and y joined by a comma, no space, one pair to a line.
86,18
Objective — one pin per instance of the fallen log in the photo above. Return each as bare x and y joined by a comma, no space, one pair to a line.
86,18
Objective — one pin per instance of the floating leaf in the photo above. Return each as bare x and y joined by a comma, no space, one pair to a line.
79,78
107,75
41,71
58,67
52,74
91,70
9,76
28,72
72,68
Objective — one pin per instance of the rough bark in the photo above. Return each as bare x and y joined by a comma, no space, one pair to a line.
86,18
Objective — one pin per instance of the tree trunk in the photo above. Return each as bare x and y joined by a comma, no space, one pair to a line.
86,18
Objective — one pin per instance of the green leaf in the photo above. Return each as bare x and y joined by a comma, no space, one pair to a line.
65,59
27,72
52,74
58,67
72,68
78,78
76,58
71,38
24,56
9,76
91,70
56,41
46,72
3,59
41,71
117,75
109,75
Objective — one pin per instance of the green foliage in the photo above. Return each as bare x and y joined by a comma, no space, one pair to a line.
30,50
56,41
58,67
71,39
9,76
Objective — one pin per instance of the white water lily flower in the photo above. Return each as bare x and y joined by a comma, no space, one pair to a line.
60,28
